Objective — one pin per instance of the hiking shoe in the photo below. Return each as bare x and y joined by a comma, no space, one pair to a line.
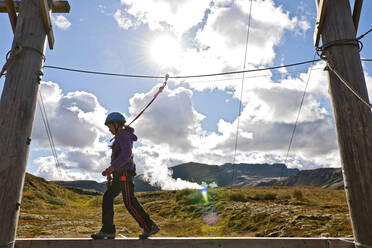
154,229
103,235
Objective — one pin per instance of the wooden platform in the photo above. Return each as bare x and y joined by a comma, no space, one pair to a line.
215,242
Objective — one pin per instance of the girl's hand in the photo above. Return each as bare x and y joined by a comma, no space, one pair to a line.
109,178
108,171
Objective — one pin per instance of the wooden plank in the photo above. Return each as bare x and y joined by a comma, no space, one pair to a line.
353,119
12,13
58,7
356,13
322,6
212,242
46,11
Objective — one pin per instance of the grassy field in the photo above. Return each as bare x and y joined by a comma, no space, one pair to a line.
49,210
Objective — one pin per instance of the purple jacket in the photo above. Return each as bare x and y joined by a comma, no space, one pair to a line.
121,157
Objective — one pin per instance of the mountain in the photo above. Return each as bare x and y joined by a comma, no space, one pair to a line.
238,175
245,175
330,178
141,185
83,184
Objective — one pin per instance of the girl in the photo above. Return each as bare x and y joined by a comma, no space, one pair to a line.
123,171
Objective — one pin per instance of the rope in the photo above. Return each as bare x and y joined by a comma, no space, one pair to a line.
241,94
9,59
101,73
360,37
153,99
353,42
49,133
10,56
348,86
299,111
183,77
52,146
327,57
256,76
179,77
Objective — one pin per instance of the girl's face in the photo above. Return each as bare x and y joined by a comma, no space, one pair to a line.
111,127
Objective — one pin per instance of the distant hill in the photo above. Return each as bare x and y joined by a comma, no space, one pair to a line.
141,185
245,175
330,178
39,193
83,184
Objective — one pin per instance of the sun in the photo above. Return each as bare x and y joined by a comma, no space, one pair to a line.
165,51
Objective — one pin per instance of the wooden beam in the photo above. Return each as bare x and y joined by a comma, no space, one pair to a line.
211,242
322,6
46,11
356,13
58,7
12,13
18,99
353,119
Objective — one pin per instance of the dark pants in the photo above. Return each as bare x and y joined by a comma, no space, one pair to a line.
123,182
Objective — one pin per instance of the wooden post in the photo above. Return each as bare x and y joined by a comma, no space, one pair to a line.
12,13
353,118
17,112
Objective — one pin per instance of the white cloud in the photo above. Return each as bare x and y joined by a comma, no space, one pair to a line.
76,118
368,79
61,22
224,34
171,120
267,121
170,131
212,37
123,21
156,172
176,16
77,125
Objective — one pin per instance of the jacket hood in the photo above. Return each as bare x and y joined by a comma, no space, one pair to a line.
130,131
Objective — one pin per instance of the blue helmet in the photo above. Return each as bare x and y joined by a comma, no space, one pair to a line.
115,116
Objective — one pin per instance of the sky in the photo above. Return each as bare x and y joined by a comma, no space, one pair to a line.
195,119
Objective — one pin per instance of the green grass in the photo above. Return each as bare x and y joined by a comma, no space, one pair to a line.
49,210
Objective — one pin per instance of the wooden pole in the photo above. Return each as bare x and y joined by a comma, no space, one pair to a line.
353,119
17,113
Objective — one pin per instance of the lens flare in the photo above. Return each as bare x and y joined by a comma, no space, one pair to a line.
211,217
204,192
